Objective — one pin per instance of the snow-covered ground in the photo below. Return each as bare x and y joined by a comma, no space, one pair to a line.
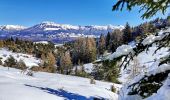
28,59
47,86
147,64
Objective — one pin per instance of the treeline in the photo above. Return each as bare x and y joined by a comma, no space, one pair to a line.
43,51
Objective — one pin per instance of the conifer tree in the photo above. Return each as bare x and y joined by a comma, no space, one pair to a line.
90,50
78,50
116,39
101,45
65,63
51,62
148,7
108,41
127,34
10,62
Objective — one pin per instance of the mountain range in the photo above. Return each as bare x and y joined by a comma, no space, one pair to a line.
54,32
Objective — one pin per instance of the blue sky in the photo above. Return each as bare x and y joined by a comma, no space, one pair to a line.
76,12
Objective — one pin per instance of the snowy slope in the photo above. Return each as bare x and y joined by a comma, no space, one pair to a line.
47,27
148,64
46,86
144,64
28,59
11,27
147,59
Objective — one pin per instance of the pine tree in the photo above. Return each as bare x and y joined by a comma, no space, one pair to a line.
148,7
116,39
108,41
101,45
127,34
78,50
10,62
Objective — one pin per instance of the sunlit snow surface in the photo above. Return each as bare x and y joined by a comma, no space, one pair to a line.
28,59
148,65
47,86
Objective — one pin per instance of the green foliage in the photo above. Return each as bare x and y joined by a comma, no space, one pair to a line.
107,41
10,62
116,39
150,7
148,84
1,61
111,71
101,45
108,71
82,74
113,89
127,34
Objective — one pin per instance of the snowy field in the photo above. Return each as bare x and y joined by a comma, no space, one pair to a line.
47,86
28,59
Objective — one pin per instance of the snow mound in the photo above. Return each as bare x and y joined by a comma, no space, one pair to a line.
120,51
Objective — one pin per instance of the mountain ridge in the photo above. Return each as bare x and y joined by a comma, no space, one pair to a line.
54,31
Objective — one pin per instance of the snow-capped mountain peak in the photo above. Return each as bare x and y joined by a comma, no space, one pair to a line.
51,30
12,27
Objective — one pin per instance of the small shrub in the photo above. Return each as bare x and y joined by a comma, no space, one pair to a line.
30,73
21,65
92,81
10,62
1,61
113,89
36,68
51,69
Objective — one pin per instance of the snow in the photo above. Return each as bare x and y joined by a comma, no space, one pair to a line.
120,51
163,93
88,67
58,45
28,59
12,27
43,42
147,59
51,29
148,65
150,39
47,86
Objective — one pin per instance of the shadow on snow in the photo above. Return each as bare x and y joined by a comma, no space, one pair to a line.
67,95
